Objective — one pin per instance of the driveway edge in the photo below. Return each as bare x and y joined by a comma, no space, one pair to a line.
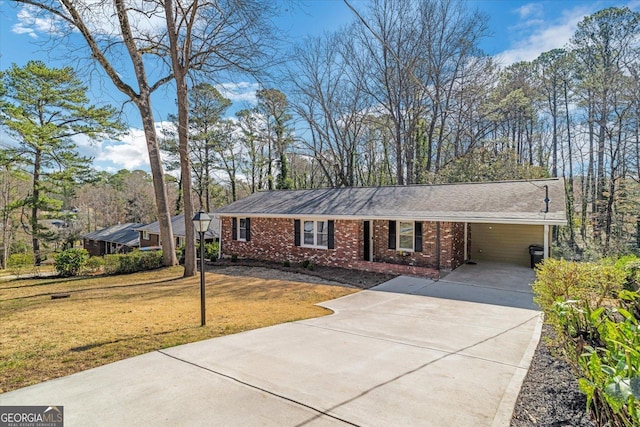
508,403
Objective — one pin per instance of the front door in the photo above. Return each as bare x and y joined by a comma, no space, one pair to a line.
366,239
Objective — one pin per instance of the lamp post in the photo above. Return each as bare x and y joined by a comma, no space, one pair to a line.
201,223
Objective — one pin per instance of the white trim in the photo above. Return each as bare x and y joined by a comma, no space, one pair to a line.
315,233
238,238
466,241
145,235
413,237
546,241
434,218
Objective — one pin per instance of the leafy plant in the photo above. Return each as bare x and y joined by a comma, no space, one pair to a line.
94,264
597,324
132,262
16,263
70,262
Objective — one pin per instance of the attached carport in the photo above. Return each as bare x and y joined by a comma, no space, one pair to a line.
502,227
508,243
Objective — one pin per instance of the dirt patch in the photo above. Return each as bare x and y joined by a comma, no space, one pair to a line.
298,273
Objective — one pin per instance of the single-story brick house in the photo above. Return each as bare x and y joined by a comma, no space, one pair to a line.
119,238
150,233
416,229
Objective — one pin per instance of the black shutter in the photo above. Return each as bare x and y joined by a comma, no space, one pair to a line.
247,224
296,232
330,238
234,228
392,234
417,237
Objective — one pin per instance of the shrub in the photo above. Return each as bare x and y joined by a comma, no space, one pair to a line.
560,280
630,265
306,263
69,263
234,257
597,324
211,250
19,262
94,264
132,262
286,263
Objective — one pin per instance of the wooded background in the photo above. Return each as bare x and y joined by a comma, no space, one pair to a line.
403,95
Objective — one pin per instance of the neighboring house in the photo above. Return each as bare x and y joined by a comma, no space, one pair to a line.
119,238
417,229
150,233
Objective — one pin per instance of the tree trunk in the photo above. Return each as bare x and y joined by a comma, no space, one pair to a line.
180,68
35,240
160,190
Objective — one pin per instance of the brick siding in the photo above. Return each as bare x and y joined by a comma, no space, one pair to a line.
272,239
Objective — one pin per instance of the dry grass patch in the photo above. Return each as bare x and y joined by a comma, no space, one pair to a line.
112,318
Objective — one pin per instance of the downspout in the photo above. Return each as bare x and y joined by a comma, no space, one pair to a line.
438,245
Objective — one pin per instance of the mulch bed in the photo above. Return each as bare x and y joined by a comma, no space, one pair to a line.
549,395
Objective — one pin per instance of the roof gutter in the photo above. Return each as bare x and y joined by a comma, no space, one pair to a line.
434,218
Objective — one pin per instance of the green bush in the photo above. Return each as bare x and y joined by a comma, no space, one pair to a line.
20,262
70,262
94,264
132,262
560,280
596,321
630,265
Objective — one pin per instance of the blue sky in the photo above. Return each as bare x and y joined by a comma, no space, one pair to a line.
520,30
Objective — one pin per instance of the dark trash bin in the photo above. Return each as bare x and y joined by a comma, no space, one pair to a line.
537,254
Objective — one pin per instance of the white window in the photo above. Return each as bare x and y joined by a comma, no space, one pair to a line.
315,234
145,235
242,229
405,236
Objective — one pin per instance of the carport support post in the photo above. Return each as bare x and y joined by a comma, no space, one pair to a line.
546,241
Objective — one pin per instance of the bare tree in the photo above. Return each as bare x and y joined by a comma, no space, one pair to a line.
108,47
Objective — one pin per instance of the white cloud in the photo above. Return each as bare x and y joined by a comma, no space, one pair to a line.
130,153
32,22
239,92
543,35
530,9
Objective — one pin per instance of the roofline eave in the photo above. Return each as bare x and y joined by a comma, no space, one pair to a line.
433,218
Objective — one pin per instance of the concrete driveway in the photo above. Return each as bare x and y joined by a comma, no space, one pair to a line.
388,356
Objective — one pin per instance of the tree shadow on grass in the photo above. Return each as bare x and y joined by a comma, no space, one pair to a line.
135,337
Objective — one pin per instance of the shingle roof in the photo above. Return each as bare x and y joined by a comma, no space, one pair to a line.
123,234
502,201
177,223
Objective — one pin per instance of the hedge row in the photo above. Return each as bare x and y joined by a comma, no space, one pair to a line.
595,309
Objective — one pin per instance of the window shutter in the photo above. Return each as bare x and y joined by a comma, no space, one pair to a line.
330,237
392,234
417,238
247,223
234,228
296,231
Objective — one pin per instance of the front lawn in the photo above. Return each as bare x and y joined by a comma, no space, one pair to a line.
114,317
